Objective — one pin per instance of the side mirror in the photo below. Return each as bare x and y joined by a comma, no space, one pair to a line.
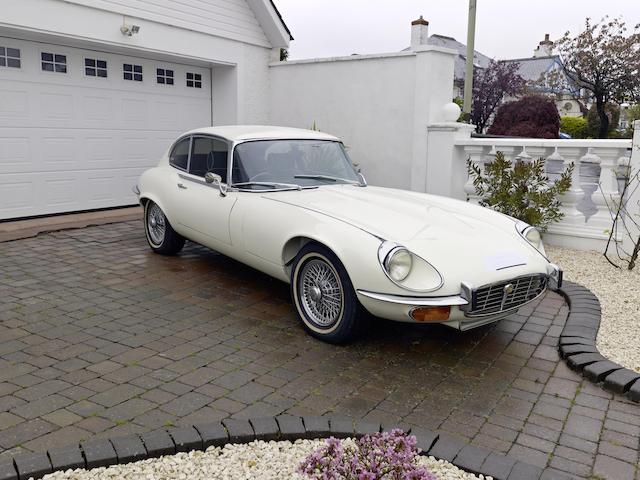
211,177
215,179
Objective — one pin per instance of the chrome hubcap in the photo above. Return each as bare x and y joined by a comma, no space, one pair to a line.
156,224
321,293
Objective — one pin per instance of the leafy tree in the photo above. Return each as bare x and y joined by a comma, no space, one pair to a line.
521,189
491,86
593,119
534,116
605,61
577,127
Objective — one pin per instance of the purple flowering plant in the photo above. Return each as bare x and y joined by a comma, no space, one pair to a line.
381,456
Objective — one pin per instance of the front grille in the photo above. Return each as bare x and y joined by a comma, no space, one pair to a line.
507,295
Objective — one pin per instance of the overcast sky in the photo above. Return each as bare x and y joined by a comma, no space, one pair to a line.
505,28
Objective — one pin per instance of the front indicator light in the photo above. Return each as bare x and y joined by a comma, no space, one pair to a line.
431,314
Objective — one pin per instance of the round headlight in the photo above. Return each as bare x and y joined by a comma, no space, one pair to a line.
533,237
398,264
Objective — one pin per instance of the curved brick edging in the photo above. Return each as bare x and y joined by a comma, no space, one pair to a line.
578,344
132,448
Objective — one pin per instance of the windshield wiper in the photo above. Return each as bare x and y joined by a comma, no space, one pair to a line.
329,178
289,186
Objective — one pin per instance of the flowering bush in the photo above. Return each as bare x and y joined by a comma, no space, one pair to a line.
381,456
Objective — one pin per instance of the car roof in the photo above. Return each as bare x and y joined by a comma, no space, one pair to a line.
237,133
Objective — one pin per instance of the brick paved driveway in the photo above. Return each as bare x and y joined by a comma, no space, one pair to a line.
100,337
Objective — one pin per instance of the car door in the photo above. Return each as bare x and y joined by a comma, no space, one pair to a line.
204,211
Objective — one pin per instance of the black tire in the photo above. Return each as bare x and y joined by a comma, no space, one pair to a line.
167,243
346,321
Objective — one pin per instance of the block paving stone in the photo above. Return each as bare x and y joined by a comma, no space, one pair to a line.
99,338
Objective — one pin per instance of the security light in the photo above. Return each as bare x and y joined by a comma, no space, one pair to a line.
129,30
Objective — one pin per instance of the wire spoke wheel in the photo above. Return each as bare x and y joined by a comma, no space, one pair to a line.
321,293
156,224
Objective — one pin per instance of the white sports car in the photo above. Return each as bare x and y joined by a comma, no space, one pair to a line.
289,203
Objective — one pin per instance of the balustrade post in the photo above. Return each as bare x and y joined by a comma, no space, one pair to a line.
606,197
633,200
572,197
477,157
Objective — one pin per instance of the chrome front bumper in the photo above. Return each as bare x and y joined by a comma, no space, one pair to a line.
399,307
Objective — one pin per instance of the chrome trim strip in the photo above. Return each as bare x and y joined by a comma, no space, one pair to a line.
555,276
453,300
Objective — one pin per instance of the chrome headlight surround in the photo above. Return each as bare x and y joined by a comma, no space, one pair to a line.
390,251
398,264
532,236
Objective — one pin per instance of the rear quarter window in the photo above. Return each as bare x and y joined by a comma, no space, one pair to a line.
179,156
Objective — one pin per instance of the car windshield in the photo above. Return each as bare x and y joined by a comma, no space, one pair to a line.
289,164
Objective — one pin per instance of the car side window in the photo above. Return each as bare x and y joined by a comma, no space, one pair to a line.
179,156
209,155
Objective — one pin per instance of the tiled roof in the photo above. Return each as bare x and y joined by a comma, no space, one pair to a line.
479,59
531,69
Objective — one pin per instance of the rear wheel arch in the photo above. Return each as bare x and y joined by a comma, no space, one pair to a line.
145,198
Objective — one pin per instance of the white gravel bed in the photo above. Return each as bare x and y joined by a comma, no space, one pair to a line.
619,293
256,460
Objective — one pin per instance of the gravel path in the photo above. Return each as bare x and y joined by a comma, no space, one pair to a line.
619,295
256,460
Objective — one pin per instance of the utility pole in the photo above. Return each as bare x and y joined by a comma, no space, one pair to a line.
468,77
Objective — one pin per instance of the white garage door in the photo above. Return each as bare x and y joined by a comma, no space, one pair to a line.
77,127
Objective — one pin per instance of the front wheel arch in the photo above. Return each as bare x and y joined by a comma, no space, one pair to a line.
295,244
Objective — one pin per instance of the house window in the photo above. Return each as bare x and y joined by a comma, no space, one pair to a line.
9,57
95,68
194,80
53,62
165,77
132,72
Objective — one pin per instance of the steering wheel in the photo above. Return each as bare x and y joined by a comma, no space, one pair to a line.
261,176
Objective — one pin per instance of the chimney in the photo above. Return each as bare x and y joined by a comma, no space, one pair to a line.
419,33
545,48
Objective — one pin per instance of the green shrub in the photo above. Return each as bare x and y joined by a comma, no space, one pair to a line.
577,127
520,189
632,114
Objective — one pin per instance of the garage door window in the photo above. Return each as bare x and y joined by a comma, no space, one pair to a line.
9,57
132,72
179,157
54,62
194,80
165,76
209,155
95,68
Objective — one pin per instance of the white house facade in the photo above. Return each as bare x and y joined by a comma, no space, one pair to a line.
93,91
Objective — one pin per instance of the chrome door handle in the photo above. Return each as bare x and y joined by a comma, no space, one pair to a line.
181,185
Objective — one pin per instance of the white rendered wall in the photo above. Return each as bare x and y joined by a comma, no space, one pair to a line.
241,98
379,105
232,19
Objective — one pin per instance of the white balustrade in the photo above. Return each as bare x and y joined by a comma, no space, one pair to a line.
594,188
